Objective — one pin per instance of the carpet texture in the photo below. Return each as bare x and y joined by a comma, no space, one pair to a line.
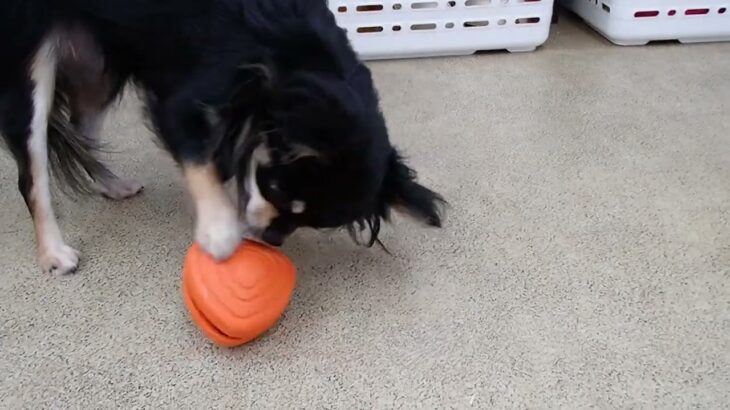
585,260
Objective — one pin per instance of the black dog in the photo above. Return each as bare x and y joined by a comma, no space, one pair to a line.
268,92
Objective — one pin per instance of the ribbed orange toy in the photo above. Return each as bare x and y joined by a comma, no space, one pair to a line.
237,300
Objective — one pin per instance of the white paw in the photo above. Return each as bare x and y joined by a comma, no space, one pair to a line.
120,188
219,236
59,259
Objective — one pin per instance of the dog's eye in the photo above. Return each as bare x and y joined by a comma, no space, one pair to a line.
297,207
275,194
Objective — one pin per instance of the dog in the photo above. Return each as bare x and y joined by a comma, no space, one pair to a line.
266,93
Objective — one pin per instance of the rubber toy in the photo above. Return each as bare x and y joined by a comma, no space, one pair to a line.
237,300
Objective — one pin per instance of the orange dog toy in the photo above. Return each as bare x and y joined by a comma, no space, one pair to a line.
235,301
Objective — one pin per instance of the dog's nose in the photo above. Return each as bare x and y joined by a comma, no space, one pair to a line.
272,237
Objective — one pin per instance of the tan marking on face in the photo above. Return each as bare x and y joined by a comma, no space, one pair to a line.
298,207
259,211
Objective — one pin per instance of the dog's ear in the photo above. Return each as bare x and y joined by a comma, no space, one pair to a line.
403,193
322,113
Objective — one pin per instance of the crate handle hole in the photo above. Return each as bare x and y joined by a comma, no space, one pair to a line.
424,5
527,20
370,29
476,23
696,12
501,22
342,9
721,10
672,12
369,7
451,3
646,13
397,6
606,7
396,28
423,26
477,3
449,25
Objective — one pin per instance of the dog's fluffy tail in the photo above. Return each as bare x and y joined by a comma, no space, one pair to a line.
72,155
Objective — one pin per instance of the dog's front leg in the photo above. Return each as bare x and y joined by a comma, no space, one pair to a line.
187,133
216,229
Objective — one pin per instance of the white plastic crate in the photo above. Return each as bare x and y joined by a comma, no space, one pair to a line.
636,22
394,29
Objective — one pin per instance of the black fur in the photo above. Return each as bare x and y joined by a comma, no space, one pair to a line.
281,70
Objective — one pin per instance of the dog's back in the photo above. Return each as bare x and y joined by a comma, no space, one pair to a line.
23,23
268,91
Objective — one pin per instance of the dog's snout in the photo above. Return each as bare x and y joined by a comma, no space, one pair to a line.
272,237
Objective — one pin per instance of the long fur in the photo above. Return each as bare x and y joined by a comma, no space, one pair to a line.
73,156
219,79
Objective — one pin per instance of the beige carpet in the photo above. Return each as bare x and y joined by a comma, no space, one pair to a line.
584,262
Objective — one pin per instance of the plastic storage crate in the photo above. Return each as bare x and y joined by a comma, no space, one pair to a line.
637,22
395,29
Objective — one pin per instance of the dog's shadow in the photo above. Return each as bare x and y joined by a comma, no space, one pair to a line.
336,279
335,275
332,266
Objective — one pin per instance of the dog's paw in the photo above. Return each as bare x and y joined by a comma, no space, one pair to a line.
59,259
219,236
120,188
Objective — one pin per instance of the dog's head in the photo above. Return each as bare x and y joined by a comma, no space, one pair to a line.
317,152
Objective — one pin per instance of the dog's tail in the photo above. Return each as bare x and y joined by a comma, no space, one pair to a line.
72,155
